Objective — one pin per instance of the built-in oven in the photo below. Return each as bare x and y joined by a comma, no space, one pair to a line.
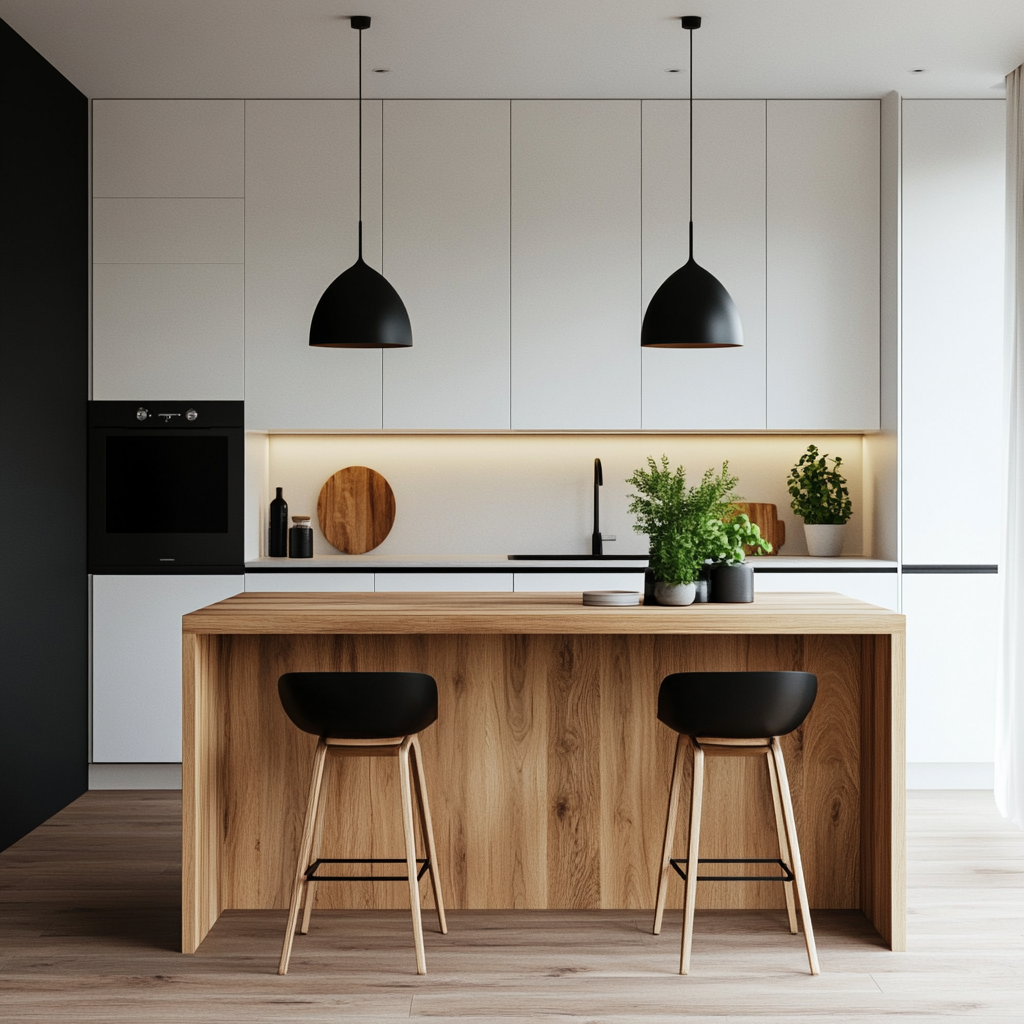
166,487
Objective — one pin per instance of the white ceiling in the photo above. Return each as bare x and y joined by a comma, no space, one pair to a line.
526,48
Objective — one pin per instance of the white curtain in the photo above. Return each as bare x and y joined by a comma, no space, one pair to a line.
1009,776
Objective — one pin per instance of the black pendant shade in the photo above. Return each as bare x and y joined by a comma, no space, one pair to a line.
691,309
360,309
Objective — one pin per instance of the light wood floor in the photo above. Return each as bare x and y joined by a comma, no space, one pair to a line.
90,919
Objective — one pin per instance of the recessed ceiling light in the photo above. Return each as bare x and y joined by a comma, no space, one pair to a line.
382,71
917,71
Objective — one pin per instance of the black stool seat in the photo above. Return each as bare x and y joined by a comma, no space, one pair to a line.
359,705
736,705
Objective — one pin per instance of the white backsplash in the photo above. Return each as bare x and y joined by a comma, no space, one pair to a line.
531,493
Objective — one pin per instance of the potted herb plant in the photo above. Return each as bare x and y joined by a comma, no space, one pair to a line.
683,524
731,576
821,499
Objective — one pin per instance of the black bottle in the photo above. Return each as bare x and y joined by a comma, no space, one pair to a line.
278,546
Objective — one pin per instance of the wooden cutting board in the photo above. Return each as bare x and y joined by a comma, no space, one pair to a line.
773,529
356,509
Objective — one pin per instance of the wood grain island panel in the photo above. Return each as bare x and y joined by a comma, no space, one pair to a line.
547,767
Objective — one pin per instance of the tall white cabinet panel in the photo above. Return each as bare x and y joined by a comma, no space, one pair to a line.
576,264
301,217
954,156
136,661
823,264
174,148
952,652
170,331
685,389
446,226
168,230
168,282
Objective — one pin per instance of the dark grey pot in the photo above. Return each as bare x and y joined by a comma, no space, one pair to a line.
732,584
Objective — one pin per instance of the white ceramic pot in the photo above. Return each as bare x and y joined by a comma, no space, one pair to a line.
825,540
675,593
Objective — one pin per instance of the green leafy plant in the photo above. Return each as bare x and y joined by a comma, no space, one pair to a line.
734,536
687,525
819,492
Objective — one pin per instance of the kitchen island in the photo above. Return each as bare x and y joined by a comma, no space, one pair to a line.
547,767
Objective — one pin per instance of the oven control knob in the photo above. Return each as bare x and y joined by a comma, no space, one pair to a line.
191,415
142,413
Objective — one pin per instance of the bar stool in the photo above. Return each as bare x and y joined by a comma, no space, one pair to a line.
734,714
363,714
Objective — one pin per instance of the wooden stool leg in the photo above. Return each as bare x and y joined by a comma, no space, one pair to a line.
310,888
670,832
410,854
428,833
794,848
780,827
305,845
693,858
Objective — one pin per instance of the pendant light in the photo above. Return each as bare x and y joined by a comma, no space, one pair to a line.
360,309
691,309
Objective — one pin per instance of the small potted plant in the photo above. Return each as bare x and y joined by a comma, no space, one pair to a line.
821,499
731,576
680,523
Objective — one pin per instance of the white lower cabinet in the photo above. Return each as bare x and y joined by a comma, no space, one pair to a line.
880,588
136,662
566,582
953,630
309,582
444,582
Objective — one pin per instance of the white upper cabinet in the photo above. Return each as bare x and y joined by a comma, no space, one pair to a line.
576,264
446,226
823,264
168,148
301,223
168,230
167,331
722,389
954,166
168,279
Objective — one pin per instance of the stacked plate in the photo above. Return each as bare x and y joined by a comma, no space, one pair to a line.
611,598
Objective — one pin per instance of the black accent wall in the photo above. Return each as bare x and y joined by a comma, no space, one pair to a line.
44,368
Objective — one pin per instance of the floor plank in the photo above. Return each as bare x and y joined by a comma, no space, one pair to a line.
90,919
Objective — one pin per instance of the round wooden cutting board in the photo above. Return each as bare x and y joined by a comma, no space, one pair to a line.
356,509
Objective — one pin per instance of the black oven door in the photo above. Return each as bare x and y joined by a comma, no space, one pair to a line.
166,487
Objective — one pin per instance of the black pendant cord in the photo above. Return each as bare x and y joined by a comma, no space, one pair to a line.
361,140
691,140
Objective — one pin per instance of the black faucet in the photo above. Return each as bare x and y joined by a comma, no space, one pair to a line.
597,542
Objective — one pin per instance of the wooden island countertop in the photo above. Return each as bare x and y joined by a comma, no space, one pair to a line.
532,613
548,769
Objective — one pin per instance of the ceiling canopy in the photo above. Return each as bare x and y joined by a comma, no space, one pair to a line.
526,48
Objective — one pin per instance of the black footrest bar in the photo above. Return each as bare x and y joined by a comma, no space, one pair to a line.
312,876
786,876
